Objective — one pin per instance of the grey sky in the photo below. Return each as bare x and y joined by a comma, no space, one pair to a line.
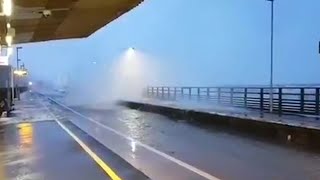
198,42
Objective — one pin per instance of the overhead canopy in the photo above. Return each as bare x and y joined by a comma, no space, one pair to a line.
65,18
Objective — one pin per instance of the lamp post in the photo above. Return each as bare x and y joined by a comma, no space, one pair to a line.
17,75
18,48
271,58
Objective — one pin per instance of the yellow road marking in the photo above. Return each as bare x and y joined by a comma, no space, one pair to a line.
164,155
94,156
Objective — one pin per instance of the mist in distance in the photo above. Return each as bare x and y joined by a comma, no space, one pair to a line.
184,43
124,79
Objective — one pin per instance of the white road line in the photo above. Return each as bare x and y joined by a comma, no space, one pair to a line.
164,155
106,168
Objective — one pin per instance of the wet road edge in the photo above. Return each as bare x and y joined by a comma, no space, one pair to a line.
118,167
284,134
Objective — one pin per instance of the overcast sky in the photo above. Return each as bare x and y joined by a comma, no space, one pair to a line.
198,42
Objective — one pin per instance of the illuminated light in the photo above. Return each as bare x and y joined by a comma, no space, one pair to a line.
94,62
133,146
20,72
25,136
9,40
9,51
130,52
7,7
8,25
30,83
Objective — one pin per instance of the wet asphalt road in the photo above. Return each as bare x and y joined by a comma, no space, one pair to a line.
42,150
219,153
33,146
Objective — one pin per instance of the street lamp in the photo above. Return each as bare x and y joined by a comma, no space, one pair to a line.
271,58
18,48
131,52
19,72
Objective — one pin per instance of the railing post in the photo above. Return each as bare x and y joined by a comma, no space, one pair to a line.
302,100
317,101
261,100
182,92
231,96
219,95
152,92
146,91
149,92
280,101
162,94
245,97
157,92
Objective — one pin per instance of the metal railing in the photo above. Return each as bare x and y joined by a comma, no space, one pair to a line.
293,100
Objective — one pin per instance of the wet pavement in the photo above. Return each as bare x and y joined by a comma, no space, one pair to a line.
33,146
43,150
168,149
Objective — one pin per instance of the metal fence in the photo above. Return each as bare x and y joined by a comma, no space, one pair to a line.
293,100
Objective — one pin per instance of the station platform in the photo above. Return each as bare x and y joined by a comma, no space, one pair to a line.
34,145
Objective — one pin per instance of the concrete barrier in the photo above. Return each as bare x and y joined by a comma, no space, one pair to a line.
288,134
